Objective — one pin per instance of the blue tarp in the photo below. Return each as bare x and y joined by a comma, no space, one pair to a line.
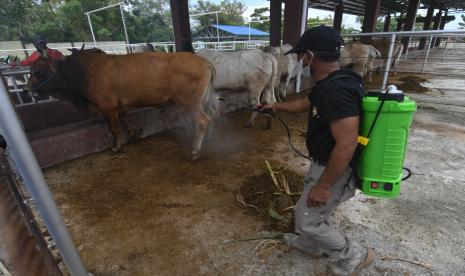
240,30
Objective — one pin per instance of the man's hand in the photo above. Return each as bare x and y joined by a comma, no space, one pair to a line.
261,108
318,196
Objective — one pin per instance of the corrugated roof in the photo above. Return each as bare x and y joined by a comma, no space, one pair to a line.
357,7
446,4
240,30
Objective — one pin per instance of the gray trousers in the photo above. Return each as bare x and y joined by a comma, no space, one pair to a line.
312,224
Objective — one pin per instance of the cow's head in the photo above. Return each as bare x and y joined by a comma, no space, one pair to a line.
42,74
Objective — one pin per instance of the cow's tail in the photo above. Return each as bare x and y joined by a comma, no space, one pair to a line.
210,98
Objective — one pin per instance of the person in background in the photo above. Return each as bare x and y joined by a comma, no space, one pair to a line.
40,42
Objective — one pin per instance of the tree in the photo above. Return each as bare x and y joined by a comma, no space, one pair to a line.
462,24
380,23
230,13
150,21
18,18
260,14
316,21
349,30
64,20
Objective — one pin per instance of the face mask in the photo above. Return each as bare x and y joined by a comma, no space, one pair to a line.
299,68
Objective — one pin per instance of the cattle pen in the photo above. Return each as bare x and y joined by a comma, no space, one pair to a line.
138,200
151,211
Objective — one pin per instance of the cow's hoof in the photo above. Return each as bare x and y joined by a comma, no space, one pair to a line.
115,151
195,157
268,124
135,136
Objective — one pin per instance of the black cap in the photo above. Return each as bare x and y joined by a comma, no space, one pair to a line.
319,39
40,40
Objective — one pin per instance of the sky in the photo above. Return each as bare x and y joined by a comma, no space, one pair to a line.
347,20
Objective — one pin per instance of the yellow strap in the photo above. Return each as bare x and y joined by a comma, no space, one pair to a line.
362,140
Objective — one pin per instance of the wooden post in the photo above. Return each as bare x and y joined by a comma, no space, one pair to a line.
410,20
436,24
371,16
426,26
292,21
399,23
441,27
181,25
387,22
275,22
338,13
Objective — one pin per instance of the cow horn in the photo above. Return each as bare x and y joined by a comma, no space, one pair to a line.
7,59
83,45
15,59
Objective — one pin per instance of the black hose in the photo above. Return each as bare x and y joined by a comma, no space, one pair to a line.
272,113
289,137
409,173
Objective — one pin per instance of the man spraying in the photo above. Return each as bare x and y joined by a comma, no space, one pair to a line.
334,116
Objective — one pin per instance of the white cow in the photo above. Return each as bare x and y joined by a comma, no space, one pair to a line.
148,47
286,67
251,71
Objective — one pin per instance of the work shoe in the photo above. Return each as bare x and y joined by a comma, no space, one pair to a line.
351,267
291,240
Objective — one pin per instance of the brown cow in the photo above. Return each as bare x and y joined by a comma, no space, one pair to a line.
383,47
115,83
359,58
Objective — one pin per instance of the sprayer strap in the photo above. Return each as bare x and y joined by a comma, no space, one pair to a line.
363,140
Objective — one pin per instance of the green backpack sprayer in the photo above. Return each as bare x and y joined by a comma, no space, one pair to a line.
384,130
383,140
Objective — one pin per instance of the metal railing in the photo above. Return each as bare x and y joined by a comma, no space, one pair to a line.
122,48
21,153
16,79
413,43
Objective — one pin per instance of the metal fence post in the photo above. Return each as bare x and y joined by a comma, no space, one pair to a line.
91,29
128,49
303,24
29,169
427,54
445,49
387,66
217,28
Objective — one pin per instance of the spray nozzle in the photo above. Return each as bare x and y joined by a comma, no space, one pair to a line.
266,111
